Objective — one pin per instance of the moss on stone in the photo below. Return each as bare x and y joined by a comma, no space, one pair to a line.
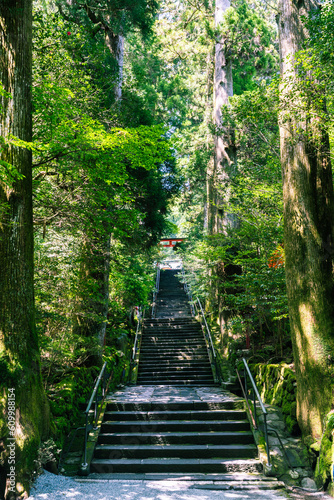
325,459
277,386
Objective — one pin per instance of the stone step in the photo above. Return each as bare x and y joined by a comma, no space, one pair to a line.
170,465
183,350
172,299
172,294
172,334
156,356
178,373
174,406
230,481
168,314
173,345
171,379
178,383
186,353
202,358
175,323
172,304
190,438
171,320
174,363
244,485
180,415
176,359
204,379
175,451
177,370
176,329
174,426
170,339
177,341
147,366
168,311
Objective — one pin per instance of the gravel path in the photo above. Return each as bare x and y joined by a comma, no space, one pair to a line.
51,487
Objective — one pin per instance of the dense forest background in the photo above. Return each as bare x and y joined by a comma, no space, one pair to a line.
150,119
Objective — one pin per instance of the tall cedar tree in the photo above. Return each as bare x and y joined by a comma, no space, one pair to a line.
308,232
114,20
224,151
19,352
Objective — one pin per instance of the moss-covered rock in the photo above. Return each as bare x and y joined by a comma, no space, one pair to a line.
277,386
66,396
324,467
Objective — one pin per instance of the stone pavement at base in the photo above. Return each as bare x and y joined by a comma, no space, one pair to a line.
51,487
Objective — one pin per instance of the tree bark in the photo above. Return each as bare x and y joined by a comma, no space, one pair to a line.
18,338
207,219
219,218
90,319
308,228
115,43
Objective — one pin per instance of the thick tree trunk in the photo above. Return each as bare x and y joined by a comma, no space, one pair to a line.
223,165
224,156
90,320
308,237
115,44
18,338
208,120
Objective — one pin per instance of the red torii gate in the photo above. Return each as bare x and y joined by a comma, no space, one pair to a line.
170,242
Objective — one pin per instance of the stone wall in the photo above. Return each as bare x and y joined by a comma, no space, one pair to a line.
277,386
324,451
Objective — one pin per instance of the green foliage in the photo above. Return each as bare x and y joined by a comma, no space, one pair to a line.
246,266
122,15
252,43
47,452
66,391
325,459
8,172
133,287
11,371
93,177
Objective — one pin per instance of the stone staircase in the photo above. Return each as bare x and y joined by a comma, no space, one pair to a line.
176,420
173,349
172,301
168,429
173,352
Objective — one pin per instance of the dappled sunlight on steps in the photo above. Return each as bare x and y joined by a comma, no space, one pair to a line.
168,429
176,420
173,349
